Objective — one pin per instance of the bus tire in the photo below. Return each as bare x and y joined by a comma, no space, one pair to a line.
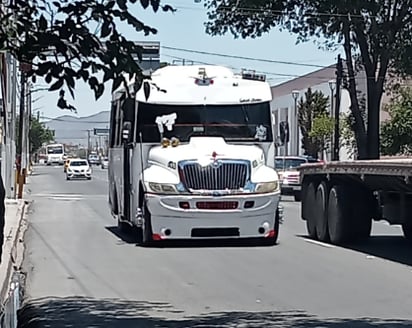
147,233
123,226
113,202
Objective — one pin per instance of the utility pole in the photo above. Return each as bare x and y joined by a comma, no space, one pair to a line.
12,129
20,173
295,95
88,144
339,75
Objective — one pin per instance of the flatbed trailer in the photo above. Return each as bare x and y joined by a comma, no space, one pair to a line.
340,199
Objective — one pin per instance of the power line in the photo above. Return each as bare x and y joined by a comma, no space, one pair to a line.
71,121
257,71
266,60
273,12
242,57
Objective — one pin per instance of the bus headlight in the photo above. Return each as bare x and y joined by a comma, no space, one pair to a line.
266,187
163,188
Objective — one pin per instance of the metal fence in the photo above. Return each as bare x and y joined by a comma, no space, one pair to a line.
8,316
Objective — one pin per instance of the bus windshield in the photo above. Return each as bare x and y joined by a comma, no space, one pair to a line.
240,122
55,149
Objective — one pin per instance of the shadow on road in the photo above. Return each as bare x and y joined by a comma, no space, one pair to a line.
392,248
131,238
82,312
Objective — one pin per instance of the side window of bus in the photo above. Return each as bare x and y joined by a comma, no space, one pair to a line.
128,111
112,124
119,124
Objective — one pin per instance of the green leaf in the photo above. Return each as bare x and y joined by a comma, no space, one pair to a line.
48,78
99,91
42,23
145,3
105,31
122,4
57,85
69,80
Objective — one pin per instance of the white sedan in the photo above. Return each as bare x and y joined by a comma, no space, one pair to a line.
78,168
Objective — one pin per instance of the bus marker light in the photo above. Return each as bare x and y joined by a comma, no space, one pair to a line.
156,236
270,234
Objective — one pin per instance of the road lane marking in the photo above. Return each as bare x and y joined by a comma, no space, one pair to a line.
319,243
70,196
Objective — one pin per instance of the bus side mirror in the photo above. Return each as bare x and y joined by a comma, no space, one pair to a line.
127,131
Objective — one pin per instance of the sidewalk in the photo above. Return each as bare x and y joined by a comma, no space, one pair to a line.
13,246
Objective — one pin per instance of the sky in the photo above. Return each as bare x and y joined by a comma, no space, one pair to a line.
184,29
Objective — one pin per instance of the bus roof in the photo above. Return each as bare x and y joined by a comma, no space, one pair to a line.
201,85
54,145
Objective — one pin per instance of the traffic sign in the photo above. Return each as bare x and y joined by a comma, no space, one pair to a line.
101,131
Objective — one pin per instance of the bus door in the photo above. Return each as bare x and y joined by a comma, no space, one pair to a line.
128,107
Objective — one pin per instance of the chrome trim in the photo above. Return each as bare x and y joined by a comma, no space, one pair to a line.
218,175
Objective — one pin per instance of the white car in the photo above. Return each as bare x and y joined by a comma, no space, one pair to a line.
105,163
78,168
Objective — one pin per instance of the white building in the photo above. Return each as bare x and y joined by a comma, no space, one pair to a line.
287,94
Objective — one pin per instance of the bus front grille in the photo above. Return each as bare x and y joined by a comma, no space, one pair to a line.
218,175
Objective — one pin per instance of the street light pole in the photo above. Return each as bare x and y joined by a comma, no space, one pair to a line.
332,85
339,75
295,95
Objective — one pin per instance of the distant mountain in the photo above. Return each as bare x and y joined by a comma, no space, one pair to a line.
73,130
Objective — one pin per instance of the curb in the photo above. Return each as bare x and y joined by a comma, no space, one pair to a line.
14,258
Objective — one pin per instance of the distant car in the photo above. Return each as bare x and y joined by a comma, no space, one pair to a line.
105,162
289,176
78,168
94,159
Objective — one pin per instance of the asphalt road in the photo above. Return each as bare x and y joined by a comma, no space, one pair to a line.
82,273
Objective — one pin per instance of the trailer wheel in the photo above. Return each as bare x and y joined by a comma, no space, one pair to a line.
338,219
307,209
320,210
407,230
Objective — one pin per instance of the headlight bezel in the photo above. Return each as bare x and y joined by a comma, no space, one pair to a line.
162,188
267,187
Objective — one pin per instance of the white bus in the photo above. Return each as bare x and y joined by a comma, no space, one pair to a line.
192,156
55,154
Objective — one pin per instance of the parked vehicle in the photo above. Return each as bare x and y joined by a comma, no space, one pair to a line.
193,162
289,177
105,163
78,169
340,199
94,159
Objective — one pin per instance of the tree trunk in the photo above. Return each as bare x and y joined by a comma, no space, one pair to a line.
375,92
373,119
360,131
